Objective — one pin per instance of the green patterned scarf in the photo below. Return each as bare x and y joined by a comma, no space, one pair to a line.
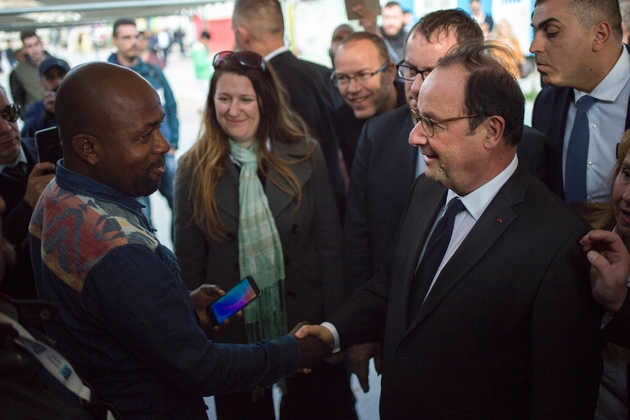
259,250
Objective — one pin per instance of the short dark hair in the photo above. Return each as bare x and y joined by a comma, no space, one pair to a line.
589,12
490,88
466,28
205,34
122,22
393,4
259,16
28,34
376,40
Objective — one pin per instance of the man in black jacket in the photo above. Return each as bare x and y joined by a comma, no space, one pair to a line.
22,181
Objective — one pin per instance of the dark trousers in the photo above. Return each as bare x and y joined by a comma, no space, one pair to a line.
324,394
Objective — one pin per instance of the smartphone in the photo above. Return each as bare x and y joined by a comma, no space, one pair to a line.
236,299
48,145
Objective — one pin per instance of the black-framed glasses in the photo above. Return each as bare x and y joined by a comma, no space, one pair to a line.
409,73
247,59
362,77
429,125
10,112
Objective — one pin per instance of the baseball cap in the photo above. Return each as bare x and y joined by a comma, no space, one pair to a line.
51,62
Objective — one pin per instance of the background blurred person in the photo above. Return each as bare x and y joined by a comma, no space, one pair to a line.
338,35
146,52
41,114
202,60
253,197
25,86
503,33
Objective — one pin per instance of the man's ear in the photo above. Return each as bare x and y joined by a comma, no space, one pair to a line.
243,36
495,126
602,33
86,148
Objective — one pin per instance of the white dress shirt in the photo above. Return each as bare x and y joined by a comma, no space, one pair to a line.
476,203
607,121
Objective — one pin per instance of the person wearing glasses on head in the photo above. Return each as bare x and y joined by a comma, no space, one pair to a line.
253,197
366,79
22,181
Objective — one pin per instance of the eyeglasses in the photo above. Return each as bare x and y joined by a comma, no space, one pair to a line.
429,125
247,59
11,112
409,73
362,77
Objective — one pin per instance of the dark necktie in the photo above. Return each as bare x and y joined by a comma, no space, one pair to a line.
16,173
577,154
433,256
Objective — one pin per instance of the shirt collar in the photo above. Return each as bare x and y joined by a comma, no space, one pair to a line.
477,201
609,89
21,158
82,185
277,52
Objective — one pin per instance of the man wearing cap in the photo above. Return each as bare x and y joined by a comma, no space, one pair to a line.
41,114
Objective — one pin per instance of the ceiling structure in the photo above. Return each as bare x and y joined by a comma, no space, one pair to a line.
16,15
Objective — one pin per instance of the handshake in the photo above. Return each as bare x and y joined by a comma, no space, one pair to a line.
316,343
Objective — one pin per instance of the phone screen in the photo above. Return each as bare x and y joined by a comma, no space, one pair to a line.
234,300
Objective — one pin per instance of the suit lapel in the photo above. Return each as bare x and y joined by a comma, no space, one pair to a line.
493,222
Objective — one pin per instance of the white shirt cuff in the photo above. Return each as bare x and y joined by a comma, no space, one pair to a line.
330,327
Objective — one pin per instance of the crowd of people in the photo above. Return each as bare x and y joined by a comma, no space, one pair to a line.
393,207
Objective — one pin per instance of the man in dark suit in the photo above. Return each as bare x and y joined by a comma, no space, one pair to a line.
386,164
22,181
259,26
580,54
508,329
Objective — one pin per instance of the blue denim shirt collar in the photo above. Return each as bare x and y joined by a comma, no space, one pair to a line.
80,184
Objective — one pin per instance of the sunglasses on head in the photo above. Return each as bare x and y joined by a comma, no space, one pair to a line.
10,112
247,59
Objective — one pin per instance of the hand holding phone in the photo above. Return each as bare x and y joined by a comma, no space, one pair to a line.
234,300
48,145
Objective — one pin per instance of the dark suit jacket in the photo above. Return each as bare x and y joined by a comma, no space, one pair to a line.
348,127
383,171
19,282
550,117
314,97
311,238
510,329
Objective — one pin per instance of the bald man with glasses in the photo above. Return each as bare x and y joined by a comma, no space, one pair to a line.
22,181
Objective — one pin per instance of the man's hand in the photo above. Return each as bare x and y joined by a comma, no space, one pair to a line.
204,296
367,19
360,355
37,181
610,266
315,344
49,101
